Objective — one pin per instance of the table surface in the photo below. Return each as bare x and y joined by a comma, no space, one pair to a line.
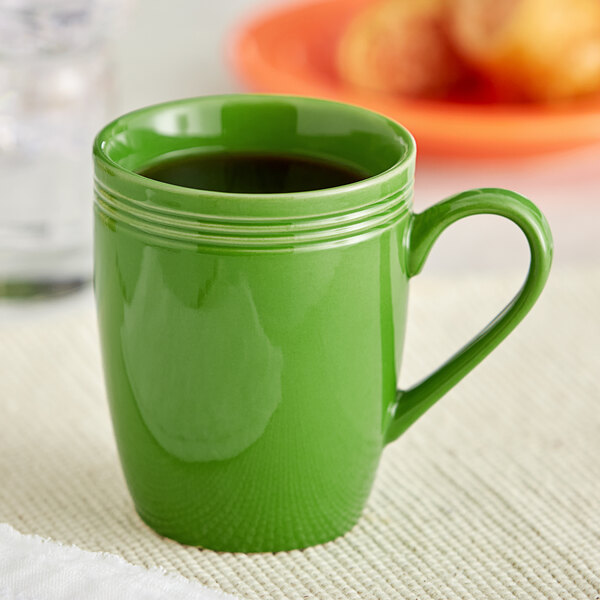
494,493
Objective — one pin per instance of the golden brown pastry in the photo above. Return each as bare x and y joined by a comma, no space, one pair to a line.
539,50
400,46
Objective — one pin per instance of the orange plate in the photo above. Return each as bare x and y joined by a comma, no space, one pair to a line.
291,50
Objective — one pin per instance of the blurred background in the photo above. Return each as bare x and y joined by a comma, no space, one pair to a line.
68,67
193,53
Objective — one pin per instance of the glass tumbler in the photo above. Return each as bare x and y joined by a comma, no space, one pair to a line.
56,89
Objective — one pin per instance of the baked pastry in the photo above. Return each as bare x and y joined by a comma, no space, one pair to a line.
536,50
486,50
401,46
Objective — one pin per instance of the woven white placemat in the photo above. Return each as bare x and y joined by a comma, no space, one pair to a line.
495,493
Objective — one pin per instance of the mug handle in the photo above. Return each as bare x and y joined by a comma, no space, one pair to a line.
421,234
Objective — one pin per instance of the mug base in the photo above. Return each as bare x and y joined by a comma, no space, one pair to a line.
245,546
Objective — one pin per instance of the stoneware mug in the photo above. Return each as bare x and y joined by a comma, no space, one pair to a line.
252,342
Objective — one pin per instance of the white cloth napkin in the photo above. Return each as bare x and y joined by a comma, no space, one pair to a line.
32,568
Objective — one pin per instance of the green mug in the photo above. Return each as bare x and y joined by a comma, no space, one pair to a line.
252,342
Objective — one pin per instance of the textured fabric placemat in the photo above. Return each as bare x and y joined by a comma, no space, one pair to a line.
495,493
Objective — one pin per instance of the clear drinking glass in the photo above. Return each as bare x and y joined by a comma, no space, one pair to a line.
56,90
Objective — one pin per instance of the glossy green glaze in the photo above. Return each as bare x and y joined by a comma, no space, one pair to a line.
252,343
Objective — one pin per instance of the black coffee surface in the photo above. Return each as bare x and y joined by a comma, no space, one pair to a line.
252,173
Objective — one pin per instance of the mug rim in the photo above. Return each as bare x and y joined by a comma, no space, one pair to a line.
312,215
108,130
